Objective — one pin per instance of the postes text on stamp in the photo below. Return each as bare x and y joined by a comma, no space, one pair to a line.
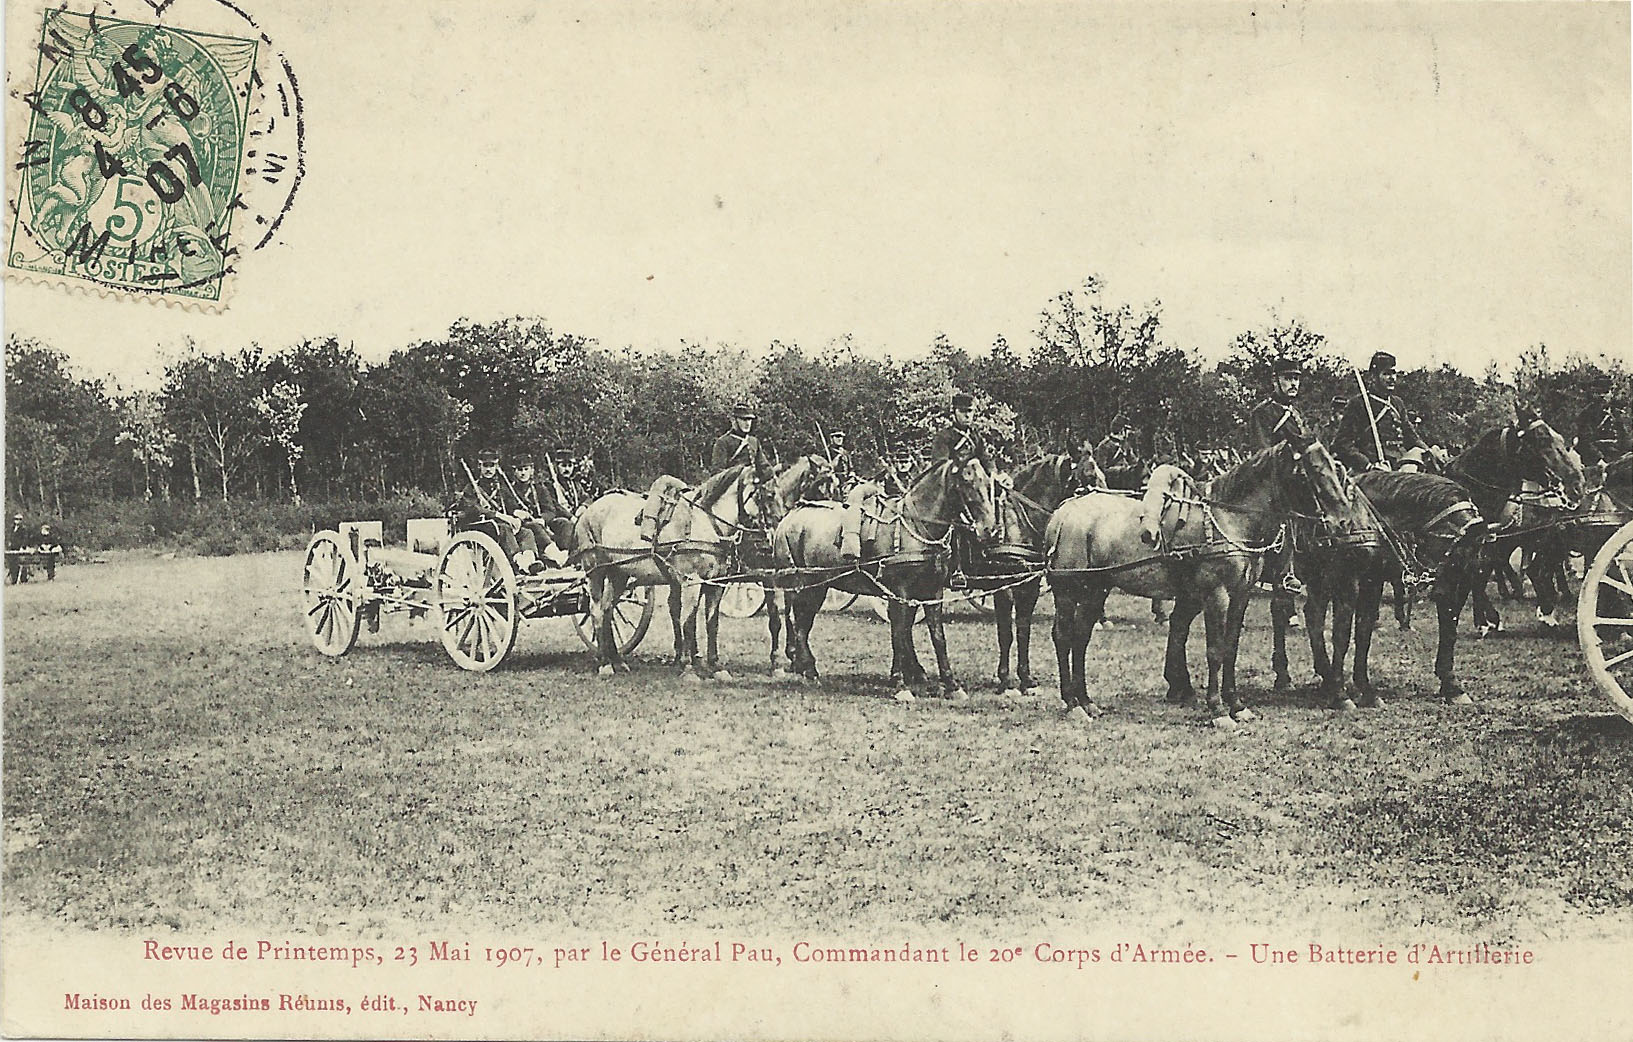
128,177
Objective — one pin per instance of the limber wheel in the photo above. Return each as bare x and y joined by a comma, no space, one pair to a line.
630,618
1604,619
742,600
332,587
476,596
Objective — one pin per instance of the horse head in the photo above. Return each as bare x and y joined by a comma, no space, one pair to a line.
1545,458
950,491
1086,471
1168,485
1328,485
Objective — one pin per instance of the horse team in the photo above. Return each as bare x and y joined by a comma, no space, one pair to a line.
1200,544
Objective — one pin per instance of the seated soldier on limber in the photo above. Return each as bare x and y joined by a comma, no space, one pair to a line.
487,506
541,511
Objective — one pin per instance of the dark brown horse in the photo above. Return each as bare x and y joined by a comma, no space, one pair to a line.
906,557
1013,568
1494,469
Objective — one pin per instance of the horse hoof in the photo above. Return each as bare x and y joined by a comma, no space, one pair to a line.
1549,622
1032,690
1078,715
623,667
958,694
688,677
1224,723
723,675
1284,682
1011,694
779,675
1461,698
606,670
1371,702
1343,705
906,697
1243,715
1180,697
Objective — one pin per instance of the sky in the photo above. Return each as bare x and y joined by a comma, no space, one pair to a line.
1450,182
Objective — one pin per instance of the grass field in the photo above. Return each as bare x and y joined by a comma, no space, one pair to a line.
177,754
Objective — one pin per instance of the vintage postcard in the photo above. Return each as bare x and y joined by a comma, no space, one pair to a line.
832,520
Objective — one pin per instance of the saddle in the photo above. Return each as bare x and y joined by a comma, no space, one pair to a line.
661,500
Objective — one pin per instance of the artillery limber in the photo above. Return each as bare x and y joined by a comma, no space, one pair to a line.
463,581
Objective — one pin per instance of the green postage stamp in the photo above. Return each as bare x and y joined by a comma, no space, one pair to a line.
128,177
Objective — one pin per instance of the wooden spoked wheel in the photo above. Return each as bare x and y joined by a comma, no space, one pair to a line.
1604,619
332,588
742,601
630,618
476,599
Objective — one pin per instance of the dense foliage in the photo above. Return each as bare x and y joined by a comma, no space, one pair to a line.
314,420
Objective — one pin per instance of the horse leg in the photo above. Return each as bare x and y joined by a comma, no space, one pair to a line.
1089,614
1486,617
938,641
1341,591
612,593
690,595
804,618
1235,613
1175,670
773,624
1369,594
599,612
1216,622
1449,601
912,669
712,596
1026,602
1324,594
1003,603
1281,611
1065,608
1543,571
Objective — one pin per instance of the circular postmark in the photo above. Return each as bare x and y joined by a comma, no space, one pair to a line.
157,153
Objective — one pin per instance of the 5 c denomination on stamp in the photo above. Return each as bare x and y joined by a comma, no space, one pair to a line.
128,177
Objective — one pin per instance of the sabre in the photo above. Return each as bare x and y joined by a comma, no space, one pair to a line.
1366,399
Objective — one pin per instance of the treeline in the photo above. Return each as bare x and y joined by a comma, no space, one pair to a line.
313,421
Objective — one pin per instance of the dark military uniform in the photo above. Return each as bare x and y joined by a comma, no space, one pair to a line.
1272,422
477,505
16,539
844,469
1601,436
960,444
1353,441
733,449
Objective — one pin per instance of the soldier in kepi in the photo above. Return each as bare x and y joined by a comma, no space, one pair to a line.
1375,420
541,511
1277,419
1601,436
840,457
1271,422
740,444
488,506
960,441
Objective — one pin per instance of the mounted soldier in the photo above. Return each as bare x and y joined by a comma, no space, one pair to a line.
1375,421
1601,436
839,455
740,444
960,442
1276,419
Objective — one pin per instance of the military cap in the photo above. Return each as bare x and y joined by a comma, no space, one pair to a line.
743,410
1287,366
488,456
838,432
1382,361
520,460
563,452
962,400
16,517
